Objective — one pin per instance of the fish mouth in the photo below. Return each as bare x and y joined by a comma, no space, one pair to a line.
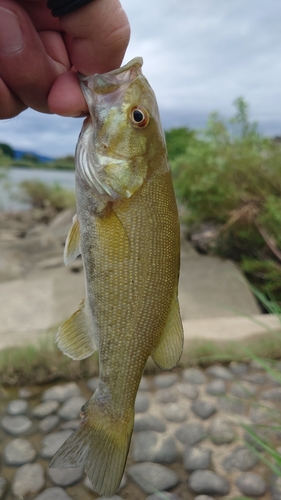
111,81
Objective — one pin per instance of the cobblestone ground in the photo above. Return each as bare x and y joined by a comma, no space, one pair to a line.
189,440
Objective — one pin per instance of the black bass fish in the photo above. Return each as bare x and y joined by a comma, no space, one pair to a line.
127,231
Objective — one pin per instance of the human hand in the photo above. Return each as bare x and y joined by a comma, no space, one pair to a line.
40,55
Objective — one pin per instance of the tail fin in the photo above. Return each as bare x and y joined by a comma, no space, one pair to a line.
101,445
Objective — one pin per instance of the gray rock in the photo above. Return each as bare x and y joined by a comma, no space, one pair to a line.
163,495
53,494
238,368
24,393
261,415
18,452
255,378
115,497
144,384
196,458
273,394
208,482
163,381
252,441
66,477
220,372
49,423
52,442
166,396
87,483
51,262
150,477
241,458
142,403
203,497
216,388
203,409
17,407
190,433
28,479
45,409
16,425
275,487
251,483
71,424
150,446
149,422
3,487
194,376
71,409
188,390
221,431
174,412
232,405
245,390
61,392
93,383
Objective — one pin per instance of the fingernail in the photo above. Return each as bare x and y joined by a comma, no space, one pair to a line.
11,39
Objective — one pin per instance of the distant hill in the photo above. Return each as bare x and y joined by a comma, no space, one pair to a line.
18,154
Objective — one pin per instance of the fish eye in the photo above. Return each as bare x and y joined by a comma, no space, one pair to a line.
139,117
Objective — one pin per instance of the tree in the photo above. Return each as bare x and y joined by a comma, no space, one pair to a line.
6,150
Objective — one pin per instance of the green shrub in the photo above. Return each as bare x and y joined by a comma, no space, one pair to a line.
230,176
41,195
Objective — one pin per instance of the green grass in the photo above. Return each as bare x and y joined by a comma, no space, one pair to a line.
41,195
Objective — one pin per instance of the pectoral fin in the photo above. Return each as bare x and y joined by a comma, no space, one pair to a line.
76,336
169,349
72,244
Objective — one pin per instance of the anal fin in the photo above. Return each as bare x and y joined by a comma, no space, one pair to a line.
72,244
169,349
76,336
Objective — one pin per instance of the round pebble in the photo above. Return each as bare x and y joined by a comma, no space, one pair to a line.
196,458
49,423
93,383
220,372
191,433
238,368
203,497
166,396
208,482
241,458
149,422
28,479
251,483
163,381
271,394
142,403
203,409
24,392
71,409
151,446
18,452
70,424
150,477
17,407
174,412
194,376
216,387
45,409
163,495
52,442
16,425
61,392
245,390
53,494
144,384
188,390
66,477
221,431
3,487
255,378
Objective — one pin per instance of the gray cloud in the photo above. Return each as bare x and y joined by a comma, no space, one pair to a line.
199,55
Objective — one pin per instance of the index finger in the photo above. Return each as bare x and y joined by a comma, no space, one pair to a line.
99,34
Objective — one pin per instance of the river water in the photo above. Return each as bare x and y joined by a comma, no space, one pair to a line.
9,184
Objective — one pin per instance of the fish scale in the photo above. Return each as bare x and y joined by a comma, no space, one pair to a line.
127,231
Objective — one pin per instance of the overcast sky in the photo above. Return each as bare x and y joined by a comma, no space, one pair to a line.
199,55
